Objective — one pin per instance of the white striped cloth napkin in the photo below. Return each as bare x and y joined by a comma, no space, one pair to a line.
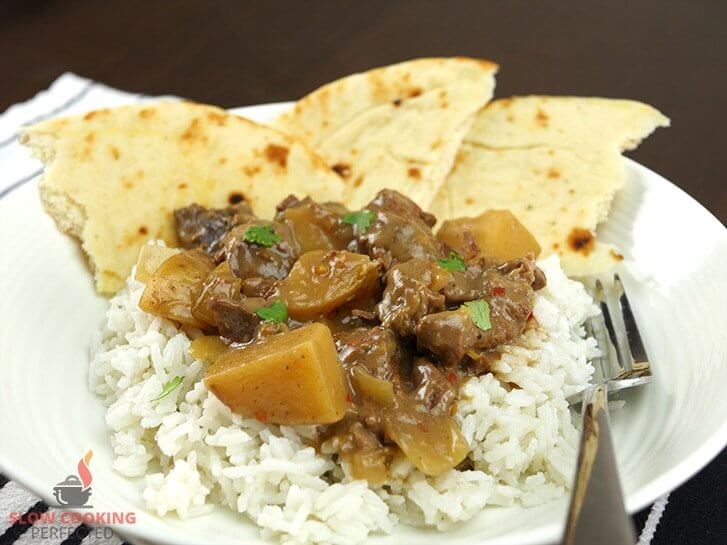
71,94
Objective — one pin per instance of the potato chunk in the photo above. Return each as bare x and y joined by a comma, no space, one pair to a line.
318,226
497,233
322,281
150,259
290,378
173,289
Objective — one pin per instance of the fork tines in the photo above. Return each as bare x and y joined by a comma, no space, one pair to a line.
624,361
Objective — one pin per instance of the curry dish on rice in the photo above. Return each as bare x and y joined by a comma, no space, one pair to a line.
362,322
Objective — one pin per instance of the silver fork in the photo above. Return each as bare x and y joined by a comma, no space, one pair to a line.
597,515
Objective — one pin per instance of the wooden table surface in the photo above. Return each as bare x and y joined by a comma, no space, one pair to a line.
232,53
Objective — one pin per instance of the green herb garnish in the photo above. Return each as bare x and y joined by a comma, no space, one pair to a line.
452,263
360,220
262,235
480,311
277,312
169,387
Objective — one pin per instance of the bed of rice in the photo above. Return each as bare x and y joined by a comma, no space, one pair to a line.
194,454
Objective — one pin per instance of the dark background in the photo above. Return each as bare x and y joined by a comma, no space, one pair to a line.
667,53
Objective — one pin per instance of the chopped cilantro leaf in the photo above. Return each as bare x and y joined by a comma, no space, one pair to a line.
262,235
452,263
360,220
277,312
169,387
480,311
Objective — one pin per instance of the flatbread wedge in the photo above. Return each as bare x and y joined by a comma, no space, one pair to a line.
398,126
556,163
113,177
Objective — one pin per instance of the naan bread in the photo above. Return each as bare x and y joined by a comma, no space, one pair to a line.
556,163
113,177
395,127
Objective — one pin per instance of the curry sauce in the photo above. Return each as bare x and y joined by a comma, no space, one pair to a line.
362,323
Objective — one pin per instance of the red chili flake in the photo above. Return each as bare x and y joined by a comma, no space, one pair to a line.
530,316
498,290
261,416
348,397
452,377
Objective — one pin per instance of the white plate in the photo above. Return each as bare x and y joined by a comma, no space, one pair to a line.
669,430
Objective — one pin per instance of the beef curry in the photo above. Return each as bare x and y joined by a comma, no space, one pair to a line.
361,322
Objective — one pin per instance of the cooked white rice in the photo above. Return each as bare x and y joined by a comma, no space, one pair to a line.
195,454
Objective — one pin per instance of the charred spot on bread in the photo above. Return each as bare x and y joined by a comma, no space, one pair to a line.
277,154
541,118
251,170
235,197
581,240
342,169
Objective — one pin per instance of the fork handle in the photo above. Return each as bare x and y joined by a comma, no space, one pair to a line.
597,515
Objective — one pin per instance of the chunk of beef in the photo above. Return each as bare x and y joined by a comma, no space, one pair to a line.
400,231
200,227
412,291
374,348
432,387
450,335
539,280
480,278
526,270
465,285
250,259
356,438
467,247
390,201
234,319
